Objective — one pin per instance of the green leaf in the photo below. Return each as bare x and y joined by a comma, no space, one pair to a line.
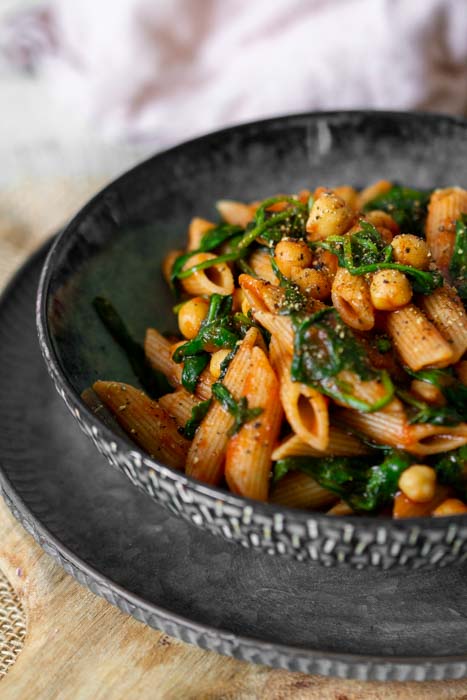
366,487
451,469
216,330
192,368
407,206
458,264
365,251
198,412
238,409
454,392
154,383
324,346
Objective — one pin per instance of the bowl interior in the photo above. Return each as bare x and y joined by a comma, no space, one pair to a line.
115,245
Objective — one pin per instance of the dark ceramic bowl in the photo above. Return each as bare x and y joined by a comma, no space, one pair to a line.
115,245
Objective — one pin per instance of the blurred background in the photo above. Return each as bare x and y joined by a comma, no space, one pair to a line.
89,88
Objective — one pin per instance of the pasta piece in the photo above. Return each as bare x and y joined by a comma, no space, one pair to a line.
260,263
179,405
348,194
403,507
444,209
261,294
341,444
206,456
248,458
168,262
386,427
280,326
196,230
159,352
217,279
351,297
428,439
447,312
461,371
418,341
299,490
341,508
306,409
236,213
145,421
100,410
372,191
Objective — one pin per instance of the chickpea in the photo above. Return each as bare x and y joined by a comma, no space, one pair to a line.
451,506
382,219
191,315
291,253
315,283
418,483
168,262
389,290
217,358
329,215
411,250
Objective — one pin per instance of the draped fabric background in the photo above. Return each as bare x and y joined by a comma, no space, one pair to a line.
167,70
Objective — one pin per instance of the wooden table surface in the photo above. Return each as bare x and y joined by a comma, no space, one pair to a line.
78,646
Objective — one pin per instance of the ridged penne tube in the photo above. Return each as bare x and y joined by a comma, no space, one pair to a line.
147,423
217,279
417,340
159,352
179,405
444,308
428,439
341,444
260,263
373,191
386,427
340,508
168,262
261,295
351,297
92,400
196,230
279,326
206,456
248,457
305,408
299,490
236,213
444,209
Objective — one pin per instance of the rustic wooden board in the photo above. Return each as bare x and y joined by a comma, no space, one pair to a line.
78,646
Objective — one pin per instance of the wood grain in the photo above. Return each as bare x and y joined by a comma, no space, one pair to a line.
78,647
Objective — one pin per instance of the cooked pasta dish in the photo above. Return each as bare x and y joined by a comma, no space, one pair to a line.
320,362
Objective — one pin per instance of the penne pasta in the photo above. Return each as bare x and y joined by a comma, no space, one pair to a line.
159,352
205,460
260,263
351,297
444,209
179,405
446,311
216,279
196,230
341,444
298,490
235,213
306,409
149,425
248,458
418,342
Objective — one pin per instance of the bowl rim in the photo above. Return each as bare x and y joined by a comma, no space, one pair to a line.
125,444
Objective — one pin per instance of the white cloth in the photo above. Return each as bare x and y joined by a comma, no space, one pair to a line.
166,70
